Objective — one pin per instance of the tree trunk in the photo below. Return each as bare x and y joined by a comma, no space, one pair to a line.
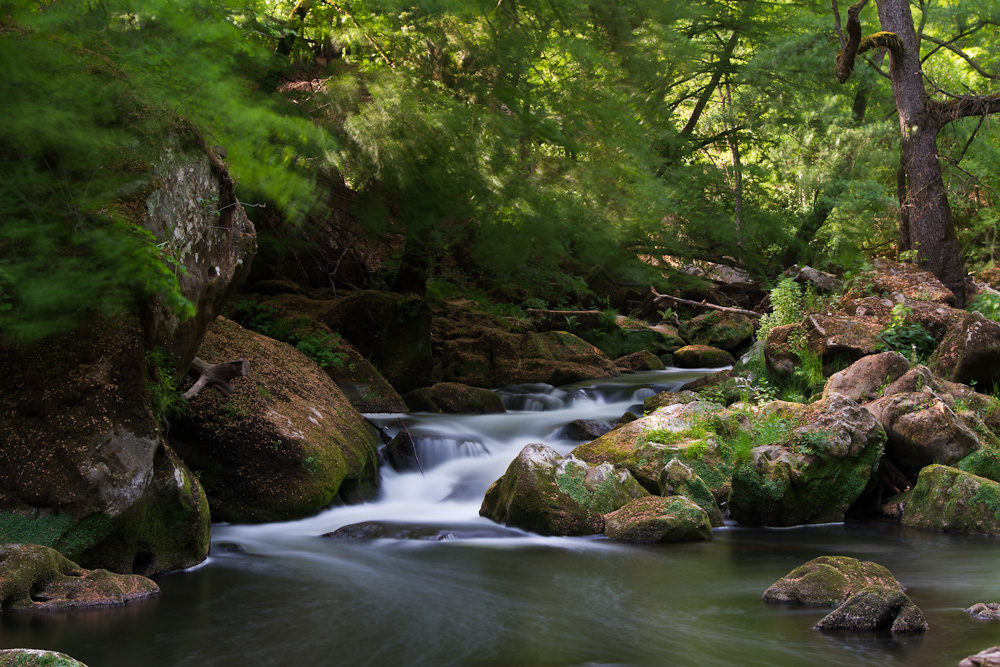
931,227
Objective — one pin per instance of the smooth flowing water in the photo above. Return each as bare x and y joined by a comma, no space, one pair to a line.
451,588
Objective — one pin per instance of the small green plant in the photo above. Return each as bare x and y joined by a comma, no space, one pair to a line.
909,338
572,322
787,307
321,347
165,398
912,256
987,303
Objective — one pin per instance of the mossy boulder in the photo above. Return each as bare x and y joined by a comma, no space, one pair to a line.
969,351
642,360
922,429
656,519
678,479
33,657
816,473
702,356
727,331
865,379
546,493
987,658
875,609
665,398
869,597
454,398
83,467
949,499
37,578
678,431
285,444
829,580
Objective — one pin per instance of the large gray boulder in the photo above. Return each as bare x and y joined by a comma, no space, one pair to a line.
866,378
546,493
969,351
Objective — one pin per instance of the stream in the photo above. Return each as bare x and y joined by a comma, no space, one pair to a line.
447,587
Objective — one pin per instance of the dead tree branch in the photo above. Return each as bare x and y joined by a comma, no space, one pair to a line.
215,376
657,297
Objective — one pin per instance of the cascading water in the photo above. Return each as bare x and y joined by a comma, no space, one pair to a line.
435,584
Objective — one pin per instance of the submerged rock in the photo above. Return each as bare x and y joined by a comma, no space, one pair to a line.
583,429
949,499
985,611
656,519
388,530
33,657
546,493
36,578
988,658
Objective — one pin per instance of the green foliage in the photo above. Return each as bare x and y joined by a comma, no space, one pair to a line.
320,346
987,303
909,338
787,307
162,384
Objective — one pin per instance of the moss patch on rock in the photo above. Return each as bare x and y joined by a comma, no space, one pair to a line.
656,519
949,499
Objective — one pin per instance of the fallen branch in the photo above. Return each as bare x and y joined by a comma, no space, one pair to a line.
702,304
215,376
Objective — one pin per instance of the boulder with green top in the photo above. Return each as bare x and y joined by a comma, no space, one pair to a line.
678,479
816,473
654,519
727,331
546,493
875,609
949,499
37,578
829,580
285,444
33,657
702,356
642,360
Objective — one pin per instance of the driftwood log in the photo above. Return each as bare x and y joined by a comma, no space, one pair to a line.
215,376
657,297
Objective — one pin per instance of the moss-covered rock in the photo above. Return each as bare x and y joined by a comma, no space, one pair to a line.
665,398
875,609
829,580
643,360
285,444
33,657
83,467
656,519
702,356
37,578
949,499
677,431
865,379
548,494
678,479
815,474
727,331
454,398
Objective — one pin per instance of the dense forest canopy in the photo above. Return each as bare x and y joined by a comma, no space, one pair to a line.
528,144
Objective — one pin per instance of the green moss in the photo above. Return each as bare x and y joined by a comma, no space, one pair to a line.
19,658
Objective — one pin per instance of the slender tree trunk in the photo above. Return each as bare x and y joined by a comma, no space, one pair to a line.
931,227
